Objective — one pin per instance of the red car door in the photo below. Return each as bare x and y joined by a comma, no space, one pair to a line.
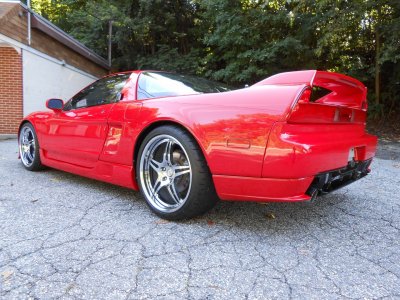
76,135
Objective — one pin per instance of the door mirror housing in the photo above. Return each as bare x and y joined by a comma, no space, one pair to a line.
55,104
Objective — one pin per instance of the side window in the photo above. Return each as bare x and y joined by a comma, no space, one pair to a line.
103,91
151,85
165,84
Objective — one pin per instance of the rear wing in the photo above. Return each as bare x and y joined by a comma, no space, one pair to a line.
342,90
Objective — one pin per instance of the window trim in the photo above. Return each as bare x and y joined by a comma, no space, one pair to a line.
128,74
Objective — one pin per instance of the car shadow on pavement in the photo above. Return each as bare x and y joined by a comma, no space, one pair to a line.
273,216
277,216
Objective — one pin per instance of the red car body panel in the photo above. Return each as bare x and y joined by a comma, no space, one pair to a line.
262,143
345,90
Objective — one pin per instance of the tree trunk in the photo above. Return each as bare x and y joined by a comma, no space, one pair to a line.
377,66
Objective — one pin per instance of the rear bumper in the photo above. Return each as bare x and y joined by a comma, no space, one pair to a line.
326,182
262,189
303,161
288,190
297,151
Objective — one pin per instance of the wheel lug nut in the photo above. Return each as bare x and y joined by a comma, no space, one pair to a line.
165,178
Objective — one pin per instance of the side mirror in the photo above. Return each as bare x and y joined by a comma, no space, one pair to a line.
55,104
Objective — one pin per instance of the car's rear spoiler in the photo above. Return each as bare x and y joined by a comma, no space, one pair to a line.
345,91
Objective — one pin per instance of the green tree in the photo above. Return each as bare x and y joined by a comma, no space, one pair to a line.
242,41
358,38
248,40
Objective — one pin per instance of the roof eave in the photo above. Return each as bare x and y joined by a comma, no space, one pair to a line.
40,23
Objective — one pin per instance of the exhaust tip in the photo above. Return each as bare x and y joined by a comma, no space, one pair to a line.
313,193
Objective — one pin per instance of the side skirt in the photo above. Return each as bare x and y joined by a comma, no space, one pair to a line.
121,175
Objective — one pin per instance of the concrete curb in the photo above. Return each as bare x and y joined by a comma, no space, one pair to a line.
8,137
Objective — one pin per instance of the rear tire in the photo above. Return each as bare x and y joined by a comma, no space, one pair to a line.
29,148
173,175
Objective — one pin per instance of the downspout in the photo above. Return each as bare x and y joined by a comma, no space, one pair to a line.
28,4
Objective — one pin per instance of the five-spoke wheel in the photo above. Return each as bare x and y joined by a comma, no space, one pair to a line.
172,174
29,148
166,175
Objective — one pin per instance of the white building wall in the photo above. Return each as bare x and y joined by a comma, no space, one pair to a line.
45,78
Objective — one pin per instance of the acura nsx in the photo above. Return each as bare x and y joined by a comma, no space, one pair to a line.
186,142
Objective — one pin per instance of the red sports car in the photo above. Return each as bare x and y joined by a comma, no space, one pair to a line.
186,142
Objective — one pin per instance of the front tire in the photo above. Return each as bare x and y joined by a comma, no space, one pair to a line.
173,175
29,148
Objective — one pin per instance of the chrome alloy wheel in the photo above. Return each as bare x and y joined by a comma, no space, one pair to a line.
165,173
27,146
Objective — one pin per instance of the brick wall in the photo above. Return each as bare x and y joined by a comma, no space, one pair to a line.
11,107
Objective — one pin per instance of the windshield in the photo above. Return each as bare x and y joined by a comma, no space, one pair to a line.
164,84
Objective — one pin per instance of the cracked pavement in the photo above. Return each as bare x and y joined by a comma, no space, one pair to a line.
64,236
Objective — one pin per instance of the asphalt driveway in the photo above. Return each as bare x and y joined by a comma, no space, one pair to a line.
64,236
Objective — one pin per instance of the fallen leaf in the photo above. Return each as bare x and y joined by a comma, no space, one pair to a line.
69,287
210,223
35,200
304,251
215,287
162,222
6,275
270,216
54,179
